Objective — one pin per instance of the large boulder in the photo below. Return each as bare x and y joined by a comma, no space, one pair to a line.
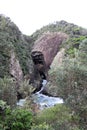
48,44
43,53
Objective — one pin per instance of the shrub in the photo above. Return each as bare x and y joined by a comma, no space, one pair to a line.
42,126
82,55
71,81
58,117
5,111
25,88
10,35
19,119
16,119
8,91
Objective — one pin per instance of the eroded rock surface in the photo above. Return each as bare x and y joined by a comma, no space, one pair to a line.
15,68
58,59
48,44
43,53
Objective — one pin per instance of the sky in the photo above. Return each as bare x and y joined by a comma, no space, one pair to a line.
31,15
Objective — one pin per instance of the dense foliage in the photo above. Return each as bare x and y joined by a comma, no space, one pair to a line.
11,37
69,81
16,119
8,91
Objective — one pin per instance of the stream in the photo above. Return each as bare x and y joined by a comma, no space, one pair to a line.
46,101
42,100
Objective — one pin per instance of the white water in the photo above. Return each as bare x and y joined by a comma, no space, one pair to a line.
41,99
43,85
46,101
21,102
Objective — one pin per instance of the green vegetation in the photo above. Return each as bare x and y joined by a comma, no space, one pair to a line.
71,82
25,89
68,80
43,126
8,91
61,26
58,117
73,45
55,118
76,35
16,119
12,38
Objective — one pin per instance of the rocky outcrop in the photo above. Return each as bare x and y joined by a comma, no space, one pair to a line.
43,53
15,68
58,59
56,64
48,44
12,38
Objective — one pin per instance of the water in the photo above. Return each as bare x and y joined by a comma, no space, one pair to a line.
46,101
21,102
41,99
43,85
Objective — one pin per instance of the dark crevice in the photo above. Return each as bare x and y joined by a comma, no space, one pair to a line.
39,63
39,73
37,57
42,75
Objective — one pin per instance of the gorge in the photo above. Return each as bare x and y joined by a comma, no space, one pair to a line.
49,64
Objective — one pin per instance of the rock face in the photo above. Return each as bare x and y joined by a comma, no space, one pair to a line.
58,59
43,53
48,45
39,63
15,68
12,38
